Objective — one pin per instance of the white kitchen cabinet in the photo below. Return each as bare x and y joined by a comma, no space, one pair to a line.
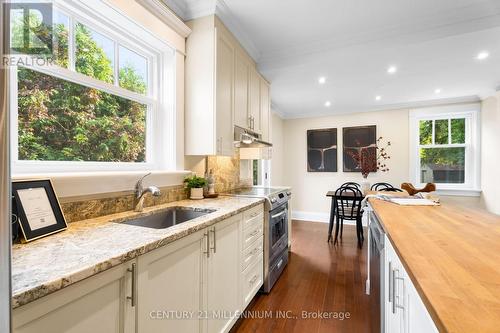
265,109
241,80
404,309
170,281
209,89
98,305
197,284
222,88
254,101
223,273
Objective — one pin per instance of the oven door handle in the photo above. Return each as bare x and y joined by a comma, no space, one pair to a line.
279,214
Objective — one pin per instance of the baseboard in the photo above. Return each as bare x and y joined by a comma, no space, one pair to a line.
317,217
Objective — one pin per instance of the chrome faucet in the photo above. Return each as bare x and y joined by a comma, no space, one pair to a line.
140,193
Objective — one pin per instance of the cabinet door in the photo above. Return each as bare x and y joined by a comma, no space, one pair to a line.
419,320
265,109
224,96
223,273
241,80
170,287
254,103
97,304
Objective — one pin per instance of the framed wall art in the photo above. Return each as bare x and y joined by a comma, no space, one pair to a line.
356,141
322,150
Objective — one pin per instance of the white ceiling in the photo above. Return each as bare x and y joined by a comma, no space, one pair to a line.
433,43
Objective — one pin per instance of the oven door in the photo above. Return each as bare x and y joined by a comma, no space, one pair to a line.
278,231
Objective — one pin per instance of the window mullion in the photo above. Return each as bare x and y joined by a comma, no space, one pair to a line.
449,130
433,132
117,65
71,44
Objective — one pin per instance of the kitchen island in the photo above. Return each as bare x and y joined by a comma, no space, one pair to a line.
451,254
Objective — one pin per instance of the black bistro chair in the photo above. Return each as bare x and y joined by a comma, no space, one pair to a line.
348,203
351,184
384,187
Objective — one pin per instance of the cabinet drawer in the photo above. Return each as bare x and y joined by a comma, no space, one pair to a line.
253,278
253,253
253,212
251,234
257,219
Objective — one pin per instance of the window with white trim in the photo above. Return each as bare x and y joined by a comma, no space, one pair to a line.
446,148
104,102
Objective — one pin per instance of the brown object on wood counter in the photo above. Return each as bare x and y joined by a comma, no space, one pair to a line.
452,254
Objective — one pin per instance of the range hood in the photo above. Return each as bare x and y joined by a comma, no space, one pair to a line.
244,138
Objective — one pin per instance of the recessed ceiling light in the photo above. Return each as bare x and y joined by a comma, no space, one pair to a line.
483,55
437,91
378,98
328,103
392,69
321,80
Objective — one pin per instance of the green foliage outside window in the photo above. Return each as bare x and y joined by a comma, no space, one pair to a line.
60,120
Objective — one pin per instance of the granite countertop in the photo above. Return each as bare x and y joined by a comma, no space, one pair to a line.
95,245
452,254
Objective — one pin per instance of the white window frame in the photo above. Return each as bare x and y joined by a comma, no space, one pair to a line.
471,113
160,97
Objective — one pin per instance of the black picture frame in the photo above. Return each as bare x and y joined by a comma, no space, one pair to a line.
28,232
354,138
322,150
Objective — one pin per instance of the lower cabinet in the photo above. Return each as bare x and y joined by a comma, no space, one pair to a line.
222,282
100,304
197,284
170,286
404,310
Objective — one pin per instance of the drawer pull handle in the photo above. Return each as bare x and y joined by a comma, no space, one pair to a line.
215,242
207,252
254,278
133,297
280,263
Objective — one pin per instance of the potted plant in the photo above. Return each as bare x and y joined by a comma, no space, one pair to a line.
195,184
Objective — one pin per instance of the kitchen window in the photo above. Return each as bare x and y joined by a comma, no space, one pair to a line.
104,104
445,148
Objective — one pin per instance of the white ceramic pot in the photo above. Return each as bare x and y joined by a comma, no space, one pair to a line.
196,193
365,186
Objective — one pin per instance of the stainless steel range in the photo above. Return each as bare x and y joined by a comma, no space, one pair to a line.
275,229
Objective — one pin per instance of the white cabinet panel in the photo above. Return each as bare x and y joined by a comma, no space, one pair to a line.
265,109
224,96
98,305
405,311
254,101
241,79
223,273
170,279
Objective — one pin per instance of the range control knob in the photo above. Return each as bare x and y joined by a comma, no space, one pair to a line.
289,193
273,200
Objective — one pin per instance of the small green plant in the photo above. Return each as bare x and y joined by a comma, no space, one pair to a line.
195,182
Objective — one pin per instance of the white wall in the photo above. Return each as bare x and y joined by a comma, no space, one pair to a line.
490,157
277,161
309,188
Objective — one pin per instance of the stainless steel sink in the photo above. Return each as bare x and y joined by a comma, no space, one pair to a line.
169,217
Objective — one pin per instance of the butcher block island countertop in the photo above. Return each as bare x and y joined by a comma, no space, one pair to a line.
452,254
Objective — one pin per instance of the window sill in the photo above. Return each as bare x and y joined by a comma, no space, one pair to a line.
460,192
90,183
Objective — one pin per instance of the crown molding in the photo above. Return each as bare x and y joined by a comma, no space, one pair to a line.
227,17
389,107
166,15
192,9
276,110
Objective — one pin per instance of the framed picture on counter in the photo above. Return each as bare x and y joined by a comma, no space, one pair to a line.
38,210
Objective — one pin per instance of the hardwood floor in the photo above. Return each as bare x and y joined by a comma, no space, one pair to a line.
319,278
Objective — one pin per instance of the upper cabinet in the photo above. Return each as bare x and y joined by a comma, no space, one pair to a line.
241,80
223,89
